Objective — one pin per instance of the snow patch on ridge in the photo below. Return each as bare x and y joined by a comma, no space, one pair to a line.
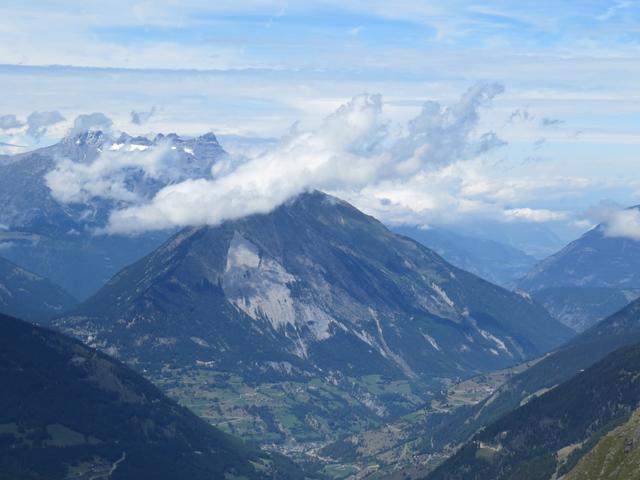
129,147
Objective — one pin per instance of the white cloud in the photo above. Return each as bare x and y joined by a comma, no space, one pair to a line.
107,176
352,150
39,122
465,190
534,215
91,121
616,221
126,173
406,188
625,224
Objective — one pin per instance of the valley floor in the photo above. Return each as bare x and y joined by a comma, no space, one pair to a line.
338,426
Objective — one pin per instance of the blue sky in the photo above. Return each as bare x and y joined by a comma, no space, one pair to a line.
255,67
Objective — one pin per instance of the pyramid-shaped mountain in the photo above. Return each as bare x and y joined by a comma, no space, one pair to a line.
596,259
313,287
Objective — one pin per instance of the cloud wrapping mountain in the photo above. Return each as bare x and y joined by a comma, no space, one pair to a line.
92,121
109,176
352,149
56,197
617,222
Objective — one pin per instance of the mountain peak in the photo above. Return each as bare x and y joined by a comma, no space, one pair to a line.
98,138
169,137
89,138
593,260
317,199
138,139
208,137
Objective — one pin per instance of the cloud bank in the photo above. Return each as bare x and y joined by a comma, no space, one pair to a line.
91,121
110,175
354,149
39,122
616,221
128,171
